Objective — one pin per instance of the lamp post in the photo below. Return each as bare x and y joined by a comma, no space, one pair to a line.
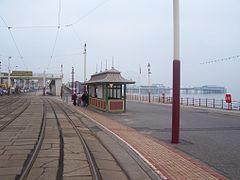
176,76
9,80
149,90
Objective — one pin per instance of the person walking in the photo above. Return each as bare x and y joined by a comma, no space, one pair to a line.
74,99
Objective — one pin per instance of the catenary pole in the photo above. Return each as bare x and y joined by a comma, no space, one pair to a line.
9,80
176,75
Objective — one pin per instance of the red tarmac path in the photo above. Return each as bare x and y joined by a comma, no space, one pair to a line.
168,162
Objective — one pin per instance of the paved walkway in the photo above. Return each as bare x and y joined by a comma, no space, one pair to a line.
168,162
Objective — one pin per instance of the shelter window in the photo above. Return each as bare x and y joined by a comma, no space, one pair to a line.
115,92
99,91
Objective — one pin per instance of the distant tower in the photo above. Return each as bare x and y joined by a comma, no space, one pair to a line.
85,67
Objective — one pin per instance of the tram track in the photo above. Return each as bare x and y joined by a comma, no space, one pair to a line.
15,116
6,102
92,164
33,155
61,153
48,141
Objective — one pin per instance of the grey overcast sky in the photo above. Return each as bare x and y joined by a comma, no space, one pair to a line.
135,32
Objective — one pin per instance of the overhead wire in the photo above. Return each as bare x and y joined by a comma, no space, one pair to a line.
14,41
76,34
58,28
59,14
88,13
33,27
57,34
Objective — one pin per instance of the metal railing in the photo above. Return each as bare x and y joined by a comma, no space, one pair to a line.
200,102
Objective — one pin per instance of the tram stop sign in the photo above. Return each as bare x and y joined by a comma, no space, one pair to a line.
228,98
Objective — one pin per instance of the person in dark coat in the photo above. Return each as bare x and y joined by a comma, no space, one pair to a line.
84,99
74,99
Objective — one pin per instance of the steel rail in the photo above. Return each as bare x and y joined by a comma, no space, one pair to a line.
93,167
61,153
5,105
31,160
13,118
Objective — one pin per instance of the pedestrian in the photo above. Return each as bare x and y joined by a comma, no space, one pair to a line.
74,99
84,99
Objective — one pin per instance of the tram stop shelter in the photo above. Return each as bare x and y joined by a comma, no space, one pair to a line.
107,91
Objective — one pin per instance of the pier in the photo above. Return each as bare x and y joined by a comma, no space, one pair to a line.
160,89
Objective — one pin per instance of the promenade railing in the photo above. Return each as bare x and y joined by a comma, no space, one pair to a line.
200,102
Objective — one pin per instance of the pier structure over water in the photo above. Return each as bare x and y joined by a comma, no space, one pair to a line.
160,89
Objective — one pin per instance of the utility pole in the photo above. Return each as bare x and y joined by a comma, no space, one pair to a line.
9,80
1,72
72,80
61,93
44,82
176,75
85,67
149,90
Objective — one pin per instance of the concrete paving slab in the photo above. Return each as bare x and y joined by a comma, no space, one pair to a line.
5,143
103,156
11,163
107,165
77,178
110,175
8,177
35,173
3,157
16,152
43,174
80,156
2,151
20,147
19,156
81,170
46,146
10,171
46,163
49,153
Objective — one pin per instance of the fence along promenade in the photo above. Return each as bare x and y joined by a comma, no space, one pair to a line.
199,102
